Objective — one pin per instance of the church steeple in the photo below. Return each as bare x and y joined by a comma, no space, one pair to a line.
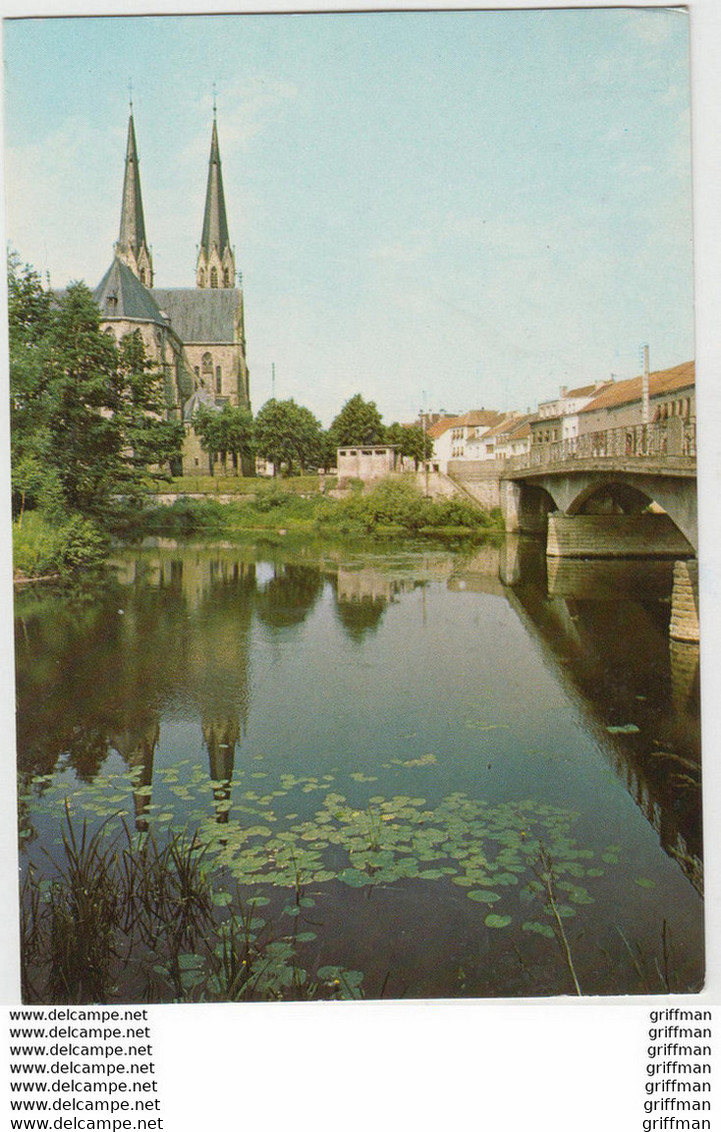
132,247
216,262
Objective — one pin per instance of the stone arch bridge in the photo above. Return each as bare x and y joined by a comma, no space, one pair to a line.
619,493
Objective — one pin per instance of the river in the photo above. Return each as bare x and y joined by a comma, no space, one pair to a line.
425,772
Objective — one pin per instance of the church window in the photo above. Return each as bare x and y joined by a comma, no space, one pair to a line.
218,380
213,277
226,277
201,277
207,368
142,275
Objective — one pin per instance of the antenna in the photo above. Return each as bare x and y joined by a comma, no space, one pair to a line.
215,101
272,380
130,94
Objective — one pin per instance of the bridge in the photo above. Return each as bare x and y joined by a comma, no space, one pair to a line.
621,492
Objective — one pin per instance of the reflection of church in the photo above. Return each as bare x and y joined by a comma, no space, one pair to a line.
205,658
195,334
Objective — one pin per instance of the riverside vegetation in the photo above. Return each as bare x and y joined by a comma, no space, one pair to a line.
90,448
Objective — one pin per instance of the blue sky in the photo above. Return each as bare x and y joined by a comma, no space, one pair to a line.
450,209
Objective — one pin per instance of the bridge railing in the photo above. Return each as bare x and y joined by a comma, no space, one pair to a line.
659,440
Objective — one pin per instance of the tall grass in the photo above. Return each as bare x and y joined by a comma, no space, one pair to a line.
124,917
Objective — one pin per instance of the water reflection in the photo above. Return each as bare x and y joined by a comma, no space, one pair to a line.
176,634
604,628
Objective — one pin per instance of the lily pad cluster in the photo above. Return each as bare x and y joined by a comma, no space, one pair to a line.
490,851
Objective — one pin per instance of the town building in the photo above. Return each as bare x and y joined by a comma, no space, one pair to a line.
672,395
558,419
195,334
452,435
367,462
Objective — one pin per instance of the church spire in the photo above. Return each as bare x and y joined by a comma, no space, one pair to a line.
132,246
216,262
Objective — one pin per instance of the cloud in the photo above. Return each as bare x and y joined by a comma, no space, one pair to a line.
247,107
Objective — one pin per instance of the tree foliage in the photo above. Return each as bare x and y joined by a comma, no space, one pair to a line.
358,422
230,431
288,435
86,412
411,441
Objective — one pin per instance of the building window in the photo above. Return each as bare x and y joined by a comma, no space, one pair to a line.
142,275
201,277
226,277
218,380
213,277
197,371
207,361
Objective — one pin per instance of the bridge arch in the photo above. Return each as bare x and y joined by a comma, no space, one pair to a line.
530,498
613,497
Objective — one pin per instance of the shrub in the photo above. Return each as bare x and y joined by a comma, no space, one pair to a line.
185,515
271,498
41,547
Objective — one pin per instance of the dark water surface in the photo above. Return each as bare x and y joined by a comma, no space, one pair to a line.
399,735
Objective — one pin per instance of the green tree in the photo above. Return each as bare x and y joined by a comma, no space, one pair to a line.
358,422
152,444
84,439
29,317
288,434
87,414
328,450
411,441
229,431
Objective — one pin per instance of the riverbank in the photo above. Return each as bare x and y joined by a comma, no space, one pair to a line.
43,546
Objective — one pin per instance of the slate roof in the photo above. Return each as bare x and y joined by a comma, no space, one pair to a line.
132,221
215,221
120,294
660,382
200,399
200,315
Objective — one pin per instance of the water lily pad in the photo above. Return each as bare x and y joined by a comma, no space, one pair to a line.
644,882
494,921
539,929
483,897
353,877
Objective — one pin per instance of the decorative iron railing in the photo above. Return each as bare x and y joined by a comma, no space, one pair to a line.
675,437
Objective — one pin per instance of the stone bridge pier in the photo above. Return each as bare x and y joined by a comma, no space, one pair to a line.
608,514
586,513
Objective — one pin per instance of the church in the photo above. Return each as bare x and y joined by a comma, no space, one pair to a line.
196,335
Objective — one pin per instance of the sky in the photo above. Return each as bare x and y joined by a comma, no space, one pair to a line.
440,210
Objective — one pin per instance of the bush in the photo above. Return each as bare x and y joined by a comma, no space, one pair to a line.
398,503
272,498
184,516
42,547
